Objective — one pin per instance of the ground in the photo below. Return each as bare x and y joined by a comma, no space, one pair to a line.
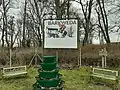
74,80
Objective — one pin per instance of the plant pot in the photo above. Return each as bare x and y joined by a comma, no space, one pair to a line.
48,66
49,75
49,83
49,59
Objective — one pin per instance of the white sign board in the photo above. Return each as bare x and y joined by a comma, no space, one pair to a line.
60,33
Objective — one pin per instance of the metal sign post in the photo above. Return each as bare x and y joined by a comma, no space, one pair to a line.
57,55
79,57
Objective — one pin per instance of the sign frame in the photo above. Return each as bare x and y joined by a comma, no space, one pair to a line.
76,31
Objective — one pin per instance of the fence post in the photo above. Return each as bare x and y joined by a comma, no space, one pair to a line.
10,58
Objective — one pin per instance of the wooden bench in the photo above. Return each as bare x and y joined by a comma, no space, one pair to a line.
105,73
14,71
110,76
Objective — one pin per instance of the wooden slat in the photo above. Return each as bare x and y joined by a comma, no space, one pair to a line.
105,75
15,67
14,74
105,70
14,71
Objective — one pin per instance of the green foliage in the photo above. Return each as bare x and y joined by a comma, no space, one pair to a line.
110,83
23,83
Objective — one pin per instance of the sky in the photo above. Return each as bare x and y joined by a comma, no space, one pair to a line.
19,4
114,37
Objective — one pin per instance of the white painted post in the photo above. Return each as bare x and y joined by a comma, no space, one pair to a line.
117,73
25,68
103,62
10,58
103,54
36,56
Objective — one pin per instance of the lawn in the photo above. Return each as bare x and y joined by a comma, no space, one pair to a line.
74,80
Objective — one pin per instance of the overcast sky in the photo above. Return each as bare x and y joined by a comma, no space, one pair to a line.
114,37
19,4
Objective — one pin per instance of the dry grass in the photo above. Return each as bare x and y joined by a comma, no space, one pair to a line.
19,56
90,55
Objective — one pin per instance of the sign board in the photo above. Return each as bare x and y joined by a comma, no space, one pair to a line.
60,33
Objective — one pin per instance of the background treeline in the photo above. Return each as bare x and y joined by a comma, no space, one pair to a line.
97,19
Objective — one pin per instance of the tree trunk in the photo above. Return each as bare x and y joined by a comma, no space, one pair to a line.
58,9
0,2
87,16
68,6
24,22
3,32
104,20
40,24
85,39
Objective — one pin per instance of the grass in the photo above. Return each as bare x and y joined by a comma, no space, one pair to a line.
23,83
74,80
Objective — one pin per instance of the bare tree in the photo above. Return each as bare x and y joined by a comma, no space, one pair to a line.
58,9
114,16
87,10
12,32
5,6
39,10
62,9
19,27
24,22
35,25
103,19
0,2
